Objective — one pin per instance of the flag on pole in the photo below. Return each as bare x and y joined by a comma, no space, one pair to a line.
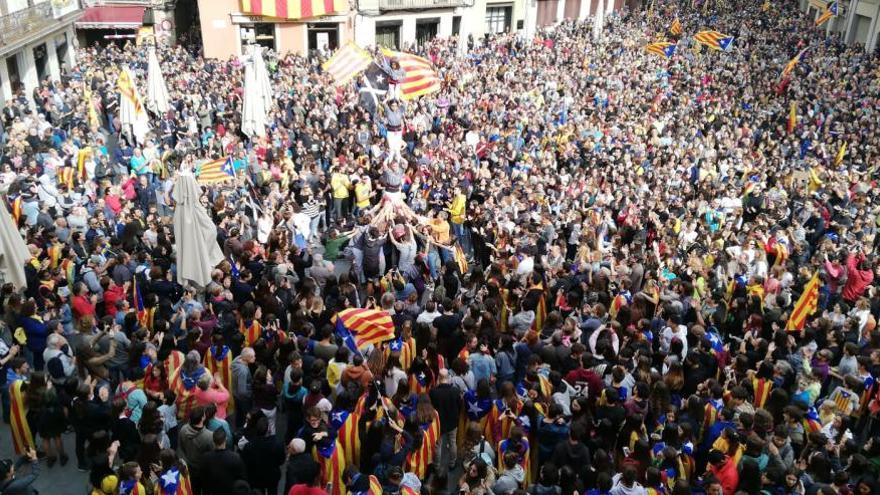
94,122
805,306
215,171
363,327
347,62
421,78
714,40
790,66
293,9
675,28
830,11
664,48
345,424
840,154
792,118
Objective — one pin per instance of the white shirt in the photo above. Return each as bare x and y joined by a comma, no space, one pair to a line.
669,334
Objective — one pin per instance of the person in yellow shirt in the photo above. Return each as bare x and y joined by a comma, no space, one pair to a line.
340,185
456,209
440,233
363,191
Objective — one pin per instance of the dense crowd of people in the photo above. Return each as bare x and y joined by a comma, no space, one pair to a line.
591,282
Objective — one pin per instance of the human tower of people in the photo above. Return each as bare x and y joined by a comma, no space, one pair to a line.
609,269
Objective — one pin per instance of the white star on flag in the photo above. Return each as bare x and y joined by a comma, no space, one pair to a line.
474,409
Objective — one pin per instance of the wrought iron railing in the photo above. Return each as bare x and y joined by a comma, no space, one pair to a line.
21,23
420,4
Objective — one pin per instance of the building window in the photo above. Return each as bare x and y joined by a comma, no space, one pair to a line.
498,19
456,25
426,30
14,75
262,34
388,35
41,60
323,36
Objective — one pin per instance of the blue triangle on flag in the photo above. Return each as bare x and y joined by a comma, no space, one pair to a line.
669,51
725,43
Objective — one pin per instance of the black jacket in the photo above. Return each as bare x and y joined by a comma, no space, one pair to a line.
222,468
301,468
263,458
447,401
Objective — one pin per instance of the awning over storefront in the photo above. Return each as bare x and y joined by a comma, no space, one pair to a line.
112,17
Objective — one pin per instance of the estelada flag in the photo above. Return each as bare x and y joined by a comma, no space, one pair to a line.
418,460
347,62
714,40
293,9
806,305
332,462
830,11
368,326
790,66
216,171
421,78
664,48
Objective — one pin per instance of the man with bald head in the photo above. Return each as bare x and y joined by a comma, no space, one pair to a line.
447,400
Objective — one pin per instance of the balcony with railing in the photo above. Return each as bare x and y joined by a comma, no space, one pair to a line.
421,4
34,21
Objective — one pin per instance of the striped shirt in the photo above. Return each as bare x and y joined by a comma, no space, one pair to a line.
312,208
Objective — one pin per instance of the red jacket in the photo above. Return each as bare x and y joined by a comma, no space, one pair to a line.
81,306
112,295
727,475
856,280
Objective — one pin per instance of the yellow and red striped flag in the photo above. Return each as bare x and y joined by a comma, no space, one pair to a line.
15,209
663,48
22,439
762,388
830,11
332,463
790,66
216,171
293,9
218,360
806,305
348,434
714,40
460,259
81,157
347,62
363,327
840,154
421,78
675,28
125,86
418,460
792,118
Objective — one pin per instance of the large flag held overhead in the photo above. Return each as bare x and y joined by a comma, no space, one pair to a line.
293,9
421,78
805,306
714,40
132,113
790,66
215,171
374,87
347,62
830,11
663,48
364,327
